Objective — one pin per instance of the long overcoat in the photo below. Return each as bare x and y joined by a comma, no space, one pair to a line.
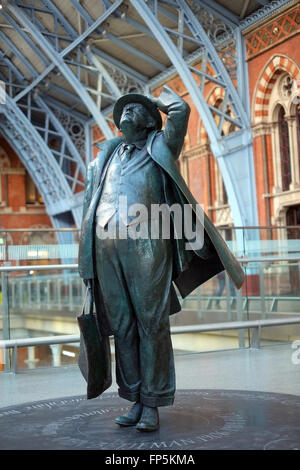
190,268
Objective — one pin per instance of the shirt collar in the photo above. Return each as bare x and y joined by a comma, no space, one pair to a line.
139,144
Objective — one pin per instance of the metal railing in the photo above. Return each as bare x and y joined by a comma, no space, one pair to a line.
21,288
253,326
239,238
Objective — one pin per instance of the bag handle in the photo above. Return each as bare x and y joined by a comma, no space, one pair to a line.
88,293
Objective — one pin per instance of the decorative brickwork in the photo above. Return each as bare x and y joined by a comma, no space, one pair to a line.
274,32
277,65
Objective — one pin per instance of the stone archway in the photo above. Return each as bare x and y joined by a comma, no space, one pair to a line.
268,77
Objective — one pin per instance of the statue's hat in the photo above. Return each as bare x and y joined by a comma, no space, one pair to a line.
136,98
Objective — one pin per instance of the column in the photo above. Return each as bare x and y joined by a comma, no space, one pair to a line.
292,125
56,354
31,360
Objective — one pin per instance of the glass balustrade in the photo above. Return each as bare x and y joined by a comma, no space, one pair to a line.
42,294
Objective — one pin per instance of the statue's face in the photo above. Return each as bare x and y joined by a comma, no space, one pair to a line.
135,115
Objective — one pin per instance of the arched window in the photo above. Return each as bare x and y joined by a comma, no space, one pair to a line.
224,194
32,194
285,159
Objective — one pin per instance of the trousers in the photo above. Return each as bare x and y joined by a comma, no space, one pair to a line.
135,279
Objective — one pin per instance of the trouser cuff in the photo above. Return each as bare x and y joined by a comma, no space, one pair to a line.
157,401
152,402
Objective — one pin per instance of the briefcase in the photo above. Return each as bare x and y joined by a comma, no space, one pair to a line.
94,358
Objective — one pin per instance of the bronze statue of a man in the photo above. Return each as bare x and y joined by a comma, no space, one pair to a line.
133,275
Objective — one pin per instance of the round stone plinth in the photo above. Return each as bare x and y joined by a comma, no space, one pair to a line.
199,419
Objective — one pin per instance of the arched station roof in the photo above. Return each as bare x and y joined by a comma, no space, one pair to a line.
64,64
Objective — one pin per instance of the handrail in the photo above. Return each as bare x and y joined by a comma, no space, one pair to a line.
41,340
268,259
221,326
38,267
235,325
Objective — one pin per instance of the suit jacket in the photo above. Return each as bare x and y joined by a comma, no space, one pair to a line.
190,268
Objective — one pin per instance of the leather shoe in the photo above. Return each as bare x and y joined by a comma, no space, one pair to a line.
149,420
132,417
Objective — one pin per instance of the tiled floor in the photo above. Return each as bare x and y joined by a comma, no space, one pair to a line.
269,369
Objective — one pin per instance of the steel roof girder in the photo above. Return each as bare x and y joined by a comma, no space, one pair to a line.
76,42
13,68
34,82
112,86
75,154
63,107
221,12
239,178
57,125
18,53
64,23
72,149
181,67
123,68
242,71
228,149
51,169
220,68
57,59
26,38
123,44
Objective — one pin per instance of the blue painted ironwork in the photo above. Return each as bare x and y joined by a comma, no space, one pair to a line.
68,151
240,117
120,67
218,10
79,39
233,151
40,164
36,157
108,76
217,38
88,143
263,13
57,59
123,44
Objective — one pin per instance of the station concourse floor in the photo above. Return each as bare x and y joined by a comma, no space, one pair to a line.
268,369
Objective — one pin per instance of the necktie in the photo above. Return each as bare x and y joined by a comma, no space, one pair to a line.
126,151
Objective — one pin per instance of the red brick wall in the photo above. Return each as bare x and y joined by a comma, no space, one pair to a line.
285,45
15,213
